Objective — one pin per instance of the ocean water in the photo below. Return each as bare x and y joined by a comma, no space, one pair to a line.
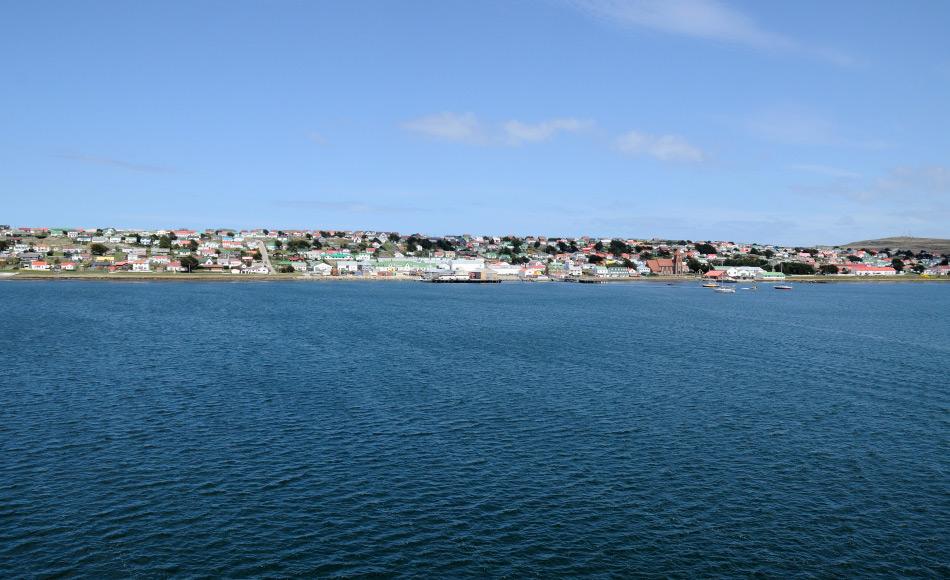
521,430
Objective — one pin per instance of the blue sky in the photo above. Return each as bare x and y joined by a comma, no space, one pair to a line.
795,122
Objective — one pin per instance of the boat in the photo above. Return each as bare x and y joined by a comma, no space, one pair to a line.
725,290
710,285
782,287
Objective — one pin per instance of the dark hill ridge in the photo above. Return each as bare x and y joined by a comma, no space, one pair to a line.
934,245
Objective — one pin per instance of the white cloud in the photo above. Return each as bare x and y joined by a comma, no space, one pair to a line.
918,193
794,125
928,182
662,147
317,138
458,127
517,132
708,19
468,128
825,170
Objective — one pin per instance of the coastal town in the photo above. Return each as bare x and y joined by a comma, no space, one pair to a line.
333,254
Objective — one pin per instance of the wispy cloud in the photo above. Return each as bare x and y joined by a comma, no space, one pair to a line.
927,182
317,138
915,190
357,207
796,125
792,126
518,132
468,128
118,163
707,19
825,170
661,147
447,126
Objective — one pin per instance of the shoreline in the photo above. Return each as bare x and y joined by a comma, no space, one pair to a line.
216,277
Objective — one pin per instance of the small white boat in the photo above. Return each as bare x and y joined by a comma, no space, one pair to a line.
725,290
710,285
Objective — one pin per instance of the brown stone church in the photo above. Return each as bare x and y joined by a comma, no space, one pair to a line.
667,266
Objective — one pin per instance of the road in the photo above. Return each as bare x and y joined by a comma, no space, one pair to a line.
265,257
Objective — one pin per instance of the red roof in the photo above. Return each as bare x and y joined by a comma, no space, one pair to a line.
869,268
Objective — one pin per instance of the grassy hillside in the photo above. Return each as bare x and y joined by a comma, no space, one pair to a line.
936,245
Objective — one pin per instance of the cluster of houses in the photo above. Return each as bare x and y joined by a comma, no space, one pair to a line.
389,254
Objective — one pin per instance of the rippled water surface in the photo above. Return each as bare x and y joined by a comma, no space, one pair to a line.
279,429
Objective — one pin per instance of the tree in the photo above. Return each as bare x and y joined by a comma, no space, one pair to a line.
618,247
919,268
695,265
297,244
705,248
286,269
164,242
898,264
4,245
828,269
193,245
854,259
744,261
189,262
594,259
796,268
394,237
98,249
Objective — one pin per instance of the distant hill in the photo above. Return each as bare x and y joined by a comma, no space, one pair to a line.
934,245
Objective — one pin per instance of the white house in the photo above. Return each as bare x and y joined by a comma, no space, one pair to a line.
321,269
743,272
504,269
466,265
